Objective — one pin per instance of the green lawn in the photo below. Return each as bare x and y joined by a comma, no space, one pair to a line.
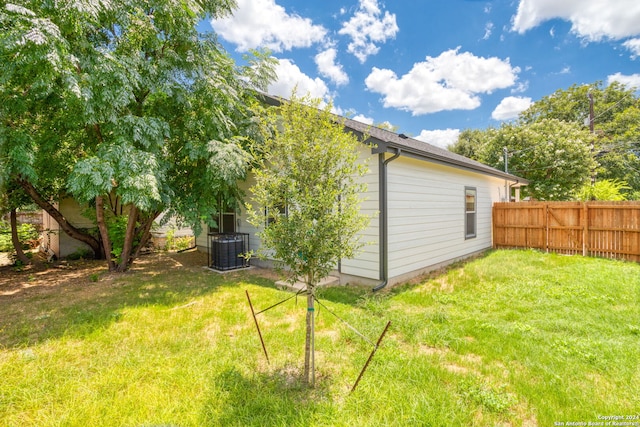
512,338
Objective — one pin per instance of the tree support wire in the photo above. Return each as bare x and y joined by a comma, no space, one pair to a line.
345,322
364,368
278,303
375,346
255,319
253,313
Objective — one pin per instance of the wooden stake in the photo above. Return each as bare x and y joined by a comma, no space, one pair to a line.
364,368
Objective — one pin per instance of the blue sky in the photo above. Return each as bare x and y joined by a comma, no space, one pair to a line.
433,68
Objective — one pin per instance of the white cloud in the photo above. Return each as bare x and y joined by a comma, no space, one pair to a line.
263,23
593,20
632,81
510,107
441,137
451,81
367,28
488,29
634,46
326,62
363,119
521,87
290,77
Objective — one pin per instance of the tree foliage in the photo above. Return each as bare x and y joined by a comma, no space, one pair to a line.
550,144
307,195
616,117
605,189
553,155
123,105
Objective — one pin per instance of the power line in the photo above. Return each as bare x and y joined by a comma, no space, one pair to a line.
613,106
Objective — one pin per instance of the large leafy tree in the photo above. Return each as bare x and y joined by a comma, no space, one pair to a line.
553,155
307,193
551,143
125,106
616,118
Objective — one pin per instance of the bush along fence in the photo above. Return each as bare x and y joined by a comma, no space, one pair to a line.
601,229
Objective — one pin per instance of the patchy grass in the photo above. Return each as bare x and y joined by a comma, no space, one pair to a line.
512,338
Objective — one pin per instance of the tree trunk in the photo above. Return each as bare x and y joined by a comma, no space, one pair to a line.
104,234
73,232
16,240
309,347
125,257
145,232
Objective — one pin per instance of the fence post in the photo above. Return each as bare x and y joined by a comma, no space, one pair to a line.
585,227
546,227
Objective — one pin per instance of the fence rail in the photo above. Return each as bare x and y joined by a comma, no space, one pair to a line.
602,229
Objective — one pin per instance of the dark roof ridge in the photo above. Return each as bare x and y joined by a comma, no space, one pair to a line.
385,140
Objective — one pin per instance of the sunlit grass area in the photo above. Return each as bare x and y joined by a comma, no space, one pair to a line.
511,338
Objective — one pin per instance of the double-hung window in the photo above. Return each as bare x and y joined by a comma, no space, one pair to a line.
470,206
225,220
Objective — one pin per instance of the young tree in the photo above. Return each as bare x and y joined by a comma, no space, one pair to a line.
306,198
125,106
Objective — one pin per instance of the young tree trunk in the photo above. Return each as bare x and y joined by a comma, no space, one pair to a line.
16,240
73,232
309,347
104,234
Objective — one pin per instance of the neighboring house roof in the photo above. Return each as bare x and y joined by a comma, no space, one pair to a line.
384,141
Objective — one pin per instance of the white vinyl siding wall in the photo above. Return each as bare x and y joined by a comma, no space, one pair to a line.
427,214
366,264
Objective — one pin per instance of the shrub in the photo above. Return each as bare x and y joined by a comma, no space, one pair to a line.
80,253
606,189
177,243
26,234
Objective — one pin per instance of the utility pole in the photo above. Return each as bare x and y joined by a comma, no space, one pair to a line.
591,130
507,193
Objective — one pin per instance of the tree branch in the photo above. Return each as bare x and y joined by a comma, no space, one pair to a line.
73,232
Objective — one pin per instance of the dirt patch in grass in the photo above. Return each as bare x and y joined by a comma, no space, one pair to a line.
64,276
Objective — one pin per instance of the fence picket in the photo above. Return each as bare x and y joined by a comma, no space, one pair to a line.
602,229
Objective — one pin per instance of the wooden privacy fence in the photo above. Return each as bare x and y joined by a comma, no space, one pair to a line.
602,229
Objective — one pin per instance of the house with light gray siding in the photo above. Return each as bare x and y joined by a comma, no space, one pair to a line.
431,207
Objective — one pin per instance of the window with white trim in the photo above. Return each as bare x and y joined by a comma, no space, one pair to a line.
225,223
470,206
271,214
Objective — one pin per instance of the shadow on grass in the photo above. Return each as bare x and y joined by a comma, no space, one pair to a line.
266,399
80,305
77,302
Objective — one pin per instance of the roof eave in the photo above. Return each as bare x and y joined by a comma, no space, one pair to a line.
391,147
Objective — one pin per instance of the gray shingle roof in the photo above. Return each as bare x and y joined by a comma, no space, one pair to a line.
384,140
